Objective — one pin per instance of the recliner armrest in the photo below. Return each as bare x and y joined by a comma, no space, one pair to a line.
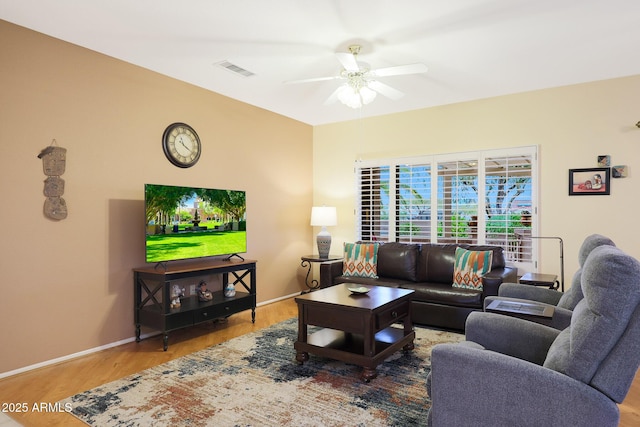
530,292
560,319
510,335
328,271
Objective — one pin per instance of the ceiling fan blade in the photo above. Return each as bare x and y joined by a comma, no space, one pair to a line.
385,90
333,97
399,70
348,61
314,79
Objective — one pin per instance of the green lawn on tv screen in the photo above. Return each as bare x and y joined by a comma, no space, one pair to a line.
163,247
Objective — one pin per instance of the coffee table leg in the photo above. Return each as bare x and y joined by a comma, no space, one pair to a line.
301,357
408,328
368,374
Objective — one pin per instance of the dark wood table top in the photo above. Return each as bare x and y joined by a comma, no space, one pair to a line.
339,294
316,258
530,278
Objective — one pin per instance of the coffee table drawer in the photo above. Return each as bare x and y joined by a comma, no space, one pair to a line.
392,315
340,319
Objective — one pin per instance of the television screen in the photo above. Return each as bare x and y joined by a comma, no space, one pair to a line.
189,222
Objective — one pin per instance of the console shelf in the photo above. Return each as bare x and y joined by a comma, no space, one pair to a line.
152,287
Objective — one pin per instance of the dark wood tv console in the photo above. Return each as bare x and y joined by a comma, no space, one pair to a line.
152,295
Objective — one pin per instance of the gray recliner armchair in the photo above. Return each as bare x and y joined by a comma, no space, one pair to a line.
563,303
513,372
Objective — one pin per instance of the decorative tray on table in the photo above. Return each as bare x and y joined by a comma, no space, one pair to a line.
358,289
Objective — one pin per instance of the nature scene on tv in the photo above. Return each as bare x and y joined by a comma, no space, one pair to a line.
187,222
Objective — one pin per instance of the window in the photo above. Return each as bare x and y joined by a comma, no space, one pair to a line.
483,197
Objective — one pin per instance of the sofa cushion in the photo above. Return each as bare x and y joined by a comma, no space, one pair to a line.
360,260
444,294
469,268
398,261
436,262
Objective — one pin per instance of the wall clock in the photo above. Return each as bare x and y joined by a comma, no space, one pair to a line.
181,145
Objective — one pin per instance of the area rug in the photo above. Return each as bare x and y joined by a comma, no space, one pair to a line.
253,380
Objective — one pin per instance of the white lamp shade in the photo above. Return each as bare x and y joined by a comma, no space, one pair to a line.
324,216
367,95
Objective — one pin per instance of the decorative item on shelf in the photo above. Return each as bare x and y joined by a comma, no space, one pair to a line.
54,161
176,294
638,124
229,290
203,293
619,171
323,216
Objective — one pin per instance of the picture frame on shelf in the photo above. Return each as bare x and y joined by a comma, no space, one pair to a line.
590,182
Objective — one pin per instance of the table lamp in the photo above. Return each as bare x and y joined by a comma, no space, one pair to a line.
323,216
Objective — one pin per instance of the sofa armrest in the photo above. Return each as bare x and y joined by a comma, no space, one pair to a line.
497,276
473,387
328,271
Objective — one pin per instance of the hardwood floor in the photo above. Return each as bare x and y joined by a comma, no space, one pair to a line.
53,383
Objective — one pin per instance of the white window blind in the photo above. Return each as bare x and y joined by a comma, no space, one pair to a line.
485,197
413,203
509,189
373,213
458,200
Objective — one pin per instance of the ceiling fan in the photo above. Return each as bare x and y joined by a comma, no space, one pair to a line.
360,85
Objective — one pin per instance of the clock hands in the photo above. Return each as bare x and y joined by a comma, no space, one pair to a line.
183,144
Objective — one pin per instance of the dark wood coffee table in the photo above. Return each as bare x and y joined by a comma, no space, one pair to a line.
357,327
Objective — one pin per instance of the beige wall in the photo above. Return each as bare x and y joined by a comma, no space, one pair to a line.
570,125
67,285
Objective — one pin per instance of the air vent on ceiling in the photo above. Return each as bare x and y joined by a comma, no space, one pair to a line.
235,69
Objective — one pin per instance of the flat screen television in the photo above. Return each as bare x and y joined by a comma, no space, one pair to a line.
192,222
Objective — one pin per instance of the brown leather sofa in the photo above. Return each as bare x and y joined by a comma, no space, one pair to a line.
428,269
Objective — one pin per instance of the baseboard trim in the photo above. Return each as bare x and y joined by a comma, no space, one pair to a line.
105,347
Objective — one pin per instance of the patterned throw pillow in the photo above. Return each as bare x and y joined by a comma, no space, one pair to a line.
469,268
360,260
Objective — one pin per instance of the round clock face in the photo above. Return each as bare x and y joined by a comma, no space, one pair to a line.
181,145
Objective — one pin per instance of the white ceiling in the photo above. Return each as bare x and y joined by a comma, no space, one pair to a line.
474,48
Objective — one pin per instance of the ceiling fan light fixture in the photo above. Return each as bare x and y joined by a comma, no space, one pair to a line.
367,95
349,96
355,93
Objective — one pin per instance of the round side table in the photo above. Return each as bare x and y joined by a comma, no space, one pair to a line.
308,261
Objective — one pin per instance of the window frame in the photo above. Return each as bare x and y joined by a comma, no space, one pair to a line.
392,223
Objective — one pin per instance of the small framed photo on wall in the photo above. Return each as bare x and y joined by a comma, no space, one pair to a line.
589,181
619,171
